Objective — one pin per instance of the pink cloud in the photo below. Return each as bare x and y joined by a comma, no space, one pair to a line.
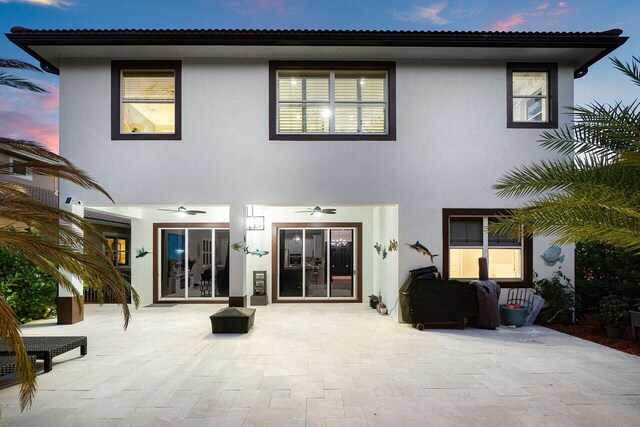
252,7
424,13
542,14
24,126
509,23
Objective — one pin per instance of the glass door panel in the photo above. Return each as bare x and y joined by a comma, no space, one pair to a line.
221,263
315,252
198,281
341,261
172,263
290,262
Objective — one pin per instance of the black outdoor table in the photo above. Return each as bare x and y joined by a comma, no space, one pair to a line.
8,364
46,348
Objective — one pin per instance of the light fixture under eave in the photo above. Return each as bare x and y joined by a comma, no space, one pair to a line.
255,223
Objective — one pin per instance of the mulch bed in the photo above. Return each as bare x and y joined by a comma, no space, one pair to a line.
590,333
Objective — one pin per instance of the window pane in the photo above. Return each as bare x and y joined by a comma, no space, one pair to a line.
346,88
465,232
505,263
148,85
290,118
290,89
530,110
463,263
317,118
148,117
317,89
346,119
373,118
18,168
530,83
372,89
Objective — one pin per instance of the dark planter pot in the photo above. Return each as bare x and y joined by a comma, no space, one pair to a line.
592,322
614,332
373,301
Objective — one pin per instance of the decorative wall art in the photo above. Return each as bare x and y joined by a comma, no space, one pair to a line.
378,247
393,245
551,256
238,246
421,249
384,253
142,252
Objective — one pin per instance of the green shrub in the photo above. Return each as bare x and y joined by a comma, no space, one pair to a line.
30,292
614,311
556,291
602,270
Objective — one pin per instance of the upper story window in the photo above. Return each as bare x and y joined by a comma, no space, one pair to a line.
146,100
532,95
332,100
18,168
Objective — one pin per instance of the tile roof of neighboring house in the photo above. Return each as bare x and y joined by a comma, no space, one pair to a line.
605,40
47,197
105,217
50,198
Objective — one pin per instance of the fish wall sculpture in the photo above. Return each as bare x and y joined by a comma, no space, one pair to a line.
420,248
551,256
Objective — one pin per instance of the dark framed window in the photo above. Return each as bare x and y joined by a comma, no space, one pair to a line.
117,250
19,168
466,238
532,95
332,100
146,100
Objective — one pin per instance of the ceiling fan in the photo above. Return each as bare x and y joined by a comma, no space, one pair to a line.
184,211
317,211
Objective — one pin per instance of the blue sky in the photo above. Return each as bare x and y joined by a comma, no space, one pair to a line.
35,116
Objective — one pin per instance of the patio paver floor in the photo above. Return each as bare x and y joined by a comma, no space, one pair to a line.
322,364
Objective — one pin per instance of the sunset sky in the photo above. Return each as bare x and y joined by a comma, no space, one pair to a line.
35,117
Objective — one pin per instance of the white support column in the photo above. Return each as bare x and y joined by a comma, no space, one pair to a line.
237,259
69,311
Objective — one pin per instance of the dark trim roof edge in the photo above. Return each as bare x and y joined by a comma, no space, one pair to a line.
606,40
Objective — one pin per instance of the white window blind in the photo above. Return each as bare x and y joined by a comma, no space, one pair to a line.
148,101
348,102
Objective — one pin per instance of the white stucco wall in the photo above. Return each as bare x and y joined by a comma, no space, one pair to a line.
452,145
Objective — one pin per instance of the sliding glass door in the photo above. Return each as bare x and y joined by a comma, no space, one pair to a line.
193,263
316,263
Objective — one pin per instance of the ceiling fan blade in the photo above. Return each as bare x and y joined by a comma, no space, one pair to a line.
329,211
193,212
307,211
168,210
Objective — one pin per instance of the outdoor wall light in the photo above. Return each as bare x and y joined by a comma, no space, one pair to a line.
255,223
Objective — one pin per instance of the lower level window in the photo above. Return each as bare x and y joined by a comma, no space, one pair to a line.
469,240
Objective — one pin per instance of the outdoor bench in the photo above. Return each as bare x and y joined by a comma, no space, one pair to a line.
8,364
46,348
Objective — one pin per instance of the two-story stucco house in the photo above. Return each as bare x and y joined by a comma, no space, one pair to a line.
218,145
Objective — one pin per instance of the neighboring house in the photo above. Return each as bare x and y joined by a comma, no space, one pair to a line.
44,188
403,133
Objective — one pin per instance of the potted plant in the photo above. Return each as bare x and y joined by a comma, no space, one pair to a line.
614,313
559,298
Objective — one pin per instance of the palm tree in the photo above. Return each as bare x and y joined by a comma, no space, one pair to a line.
591,191
56,241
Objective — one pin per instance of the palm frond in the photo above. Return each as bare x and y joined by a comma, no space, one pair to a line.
10,334
16,63
631,70
16,82
565,174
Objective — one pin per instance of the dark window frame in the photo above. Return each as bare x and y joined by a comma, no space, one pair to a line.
527,245
551,68
388,66
116,70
